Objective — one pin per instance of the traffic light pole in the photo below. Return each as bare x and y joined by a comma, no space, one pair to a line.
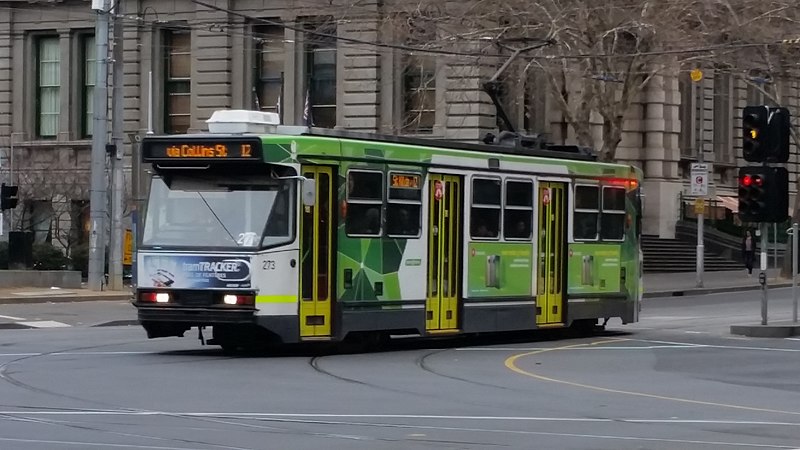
98,196
762,277
700,239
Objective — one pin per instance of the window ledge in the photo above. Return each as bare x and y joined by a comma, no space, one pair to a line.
53,143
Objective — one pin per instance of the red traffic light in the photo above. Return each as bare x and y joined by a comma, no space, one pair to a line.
749,180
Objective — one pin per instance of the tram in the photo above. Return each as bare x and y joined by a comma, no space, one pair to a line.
268,233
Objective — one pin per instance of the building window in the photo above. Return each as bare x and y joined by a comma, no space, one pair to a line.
270,61
89,75
723,118
485,211
364,202
320,95
48,86
695,122
419,94
419,78
178,45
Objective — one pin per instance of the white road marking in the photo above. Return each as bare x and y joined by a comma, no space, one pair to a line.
44,324
728,347
11,317
75,353
90,444
315,419
244,415
525,349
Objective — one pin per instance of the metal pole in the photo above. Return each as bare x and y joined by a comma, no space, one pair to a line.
98,195
795,239
150,102
117,176
700,246
775,245
762,278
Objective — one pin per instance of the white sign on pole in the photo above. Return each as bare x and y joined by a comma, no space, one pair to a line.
699,177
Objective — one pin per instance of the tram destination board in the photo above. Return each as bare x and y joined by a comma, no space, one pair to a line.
205,149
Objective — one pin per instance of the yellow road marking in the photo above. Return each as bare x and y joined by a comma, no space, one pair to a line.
511,361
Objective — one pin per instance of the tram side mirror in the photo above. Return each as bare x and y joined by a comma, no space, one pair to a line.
309,192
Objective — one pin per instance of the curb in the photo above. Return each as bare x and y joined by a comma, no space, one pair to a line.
714,290
767,331
65,299
118,323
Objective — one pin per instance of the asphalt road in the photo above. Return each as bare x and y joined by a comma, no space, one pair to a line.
675,380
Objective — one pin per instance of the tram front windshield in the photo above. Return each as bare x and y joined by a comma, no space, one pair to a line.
222,212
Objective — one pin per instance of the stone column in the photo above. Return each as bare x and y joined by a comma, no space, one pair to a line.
661,186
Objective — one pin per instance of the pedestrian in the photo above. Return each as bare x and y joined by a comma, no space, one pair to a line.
748,251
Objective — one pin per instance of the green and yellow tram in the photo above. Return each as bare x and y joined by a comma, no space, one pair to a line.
272,233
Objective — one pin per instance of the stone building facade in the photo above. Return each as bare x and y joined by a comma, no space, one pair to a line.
202,59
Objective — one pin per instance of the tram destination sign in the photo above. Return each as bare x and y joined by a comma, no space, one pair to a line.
201,148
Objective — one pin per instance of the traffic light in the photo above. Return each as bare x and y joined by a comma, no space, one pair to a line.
8,197
765,134
763,194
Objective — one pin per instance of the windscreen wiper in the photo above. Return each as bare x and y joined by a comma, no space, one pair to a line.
218,219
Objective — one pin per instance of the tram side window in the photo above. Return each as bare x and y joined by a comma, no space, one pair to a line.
612,222
485,212
404,205
364,201
518,214
587,210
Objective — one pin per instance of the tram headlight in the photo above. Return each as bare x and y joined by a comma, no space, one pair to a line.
154,297
238,299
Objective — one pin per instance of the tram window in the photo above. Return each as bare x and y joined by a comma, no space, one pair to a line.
485,192
485,211
518,215
585,228
485,222
613,199
363,219
517,224
402,219
364,185
519,193
612,222
404,205
586,214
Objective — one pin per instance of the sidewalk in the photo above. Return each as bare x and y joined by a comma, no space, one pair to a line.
44,295
684,283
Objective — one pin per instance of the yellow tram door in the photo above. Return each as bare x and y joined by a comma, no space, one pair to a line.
316,228
444,248
551,266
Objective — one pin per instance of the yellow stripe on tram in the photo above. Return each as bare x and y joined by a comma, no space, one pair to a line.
276,298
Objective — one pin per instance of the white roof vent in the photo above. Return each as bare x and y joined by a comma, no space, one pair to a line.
238,121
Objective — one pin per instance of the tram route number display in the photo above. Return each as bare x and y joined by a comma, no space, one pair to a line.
201,149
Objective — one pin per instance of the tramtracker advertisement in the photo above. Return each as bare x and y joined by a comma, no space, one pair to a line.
195,271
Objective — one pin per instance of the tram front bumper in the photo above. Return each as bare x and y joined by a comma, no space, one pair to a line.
194,315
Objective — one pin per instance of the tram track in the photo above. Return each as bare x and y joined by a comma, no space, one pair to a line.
420,363
239,422
7,377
